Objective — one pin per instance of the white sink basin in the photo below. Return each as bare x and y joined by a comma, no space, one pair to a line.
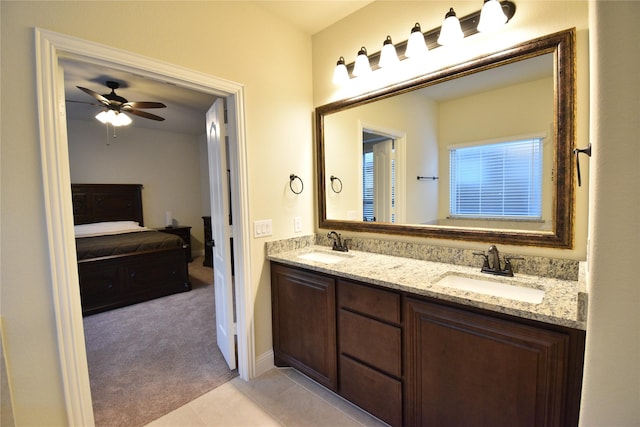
492,287
325,257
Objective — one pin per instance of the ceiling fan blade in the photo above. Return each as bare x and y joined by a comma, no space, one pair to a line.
145,115
96,95
85,102
142,104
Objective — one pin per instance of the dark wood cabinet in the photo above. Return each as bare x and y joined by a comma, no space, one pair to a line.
185,234
465,368
416,361
370,350
304,323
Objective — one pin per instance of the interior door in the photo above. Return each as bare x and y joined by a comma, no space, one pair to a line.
383,180
221,231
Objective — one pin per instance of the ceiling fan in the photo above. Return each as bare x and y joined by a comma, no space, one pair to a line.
117,104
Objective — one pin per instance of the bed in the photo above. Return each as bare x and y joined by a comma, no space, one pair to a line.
120,262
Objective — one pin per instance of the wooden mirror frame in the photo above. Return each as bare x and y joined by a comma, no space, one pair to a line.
562,46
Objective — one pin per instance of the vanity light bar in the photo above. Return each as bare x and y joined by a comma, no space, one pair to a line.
468,24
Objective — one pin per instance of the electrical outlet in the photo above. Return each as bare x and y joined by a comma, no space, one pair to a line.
297,224
262,228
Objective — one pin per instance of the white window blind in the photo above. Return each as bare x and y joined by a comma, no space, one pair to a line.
367,187
502,180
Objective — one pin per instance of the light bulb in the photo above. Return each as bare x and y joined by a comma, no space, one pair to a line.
362,65
492,17
113,118
388,55
106,116
416,46
450,32
340,74
121,119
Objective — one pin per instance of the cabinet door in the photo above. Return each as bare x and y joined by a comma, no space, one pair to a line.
304,323
474,370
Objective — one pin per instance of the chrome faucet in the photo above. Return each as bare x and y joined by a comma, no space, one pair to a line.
337,242
491,263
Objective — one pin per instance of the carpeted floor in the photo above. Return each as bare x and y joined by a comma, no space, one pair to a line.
148,359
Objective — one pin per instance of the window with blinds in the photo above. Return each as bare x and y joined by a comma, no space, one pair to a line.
501,180
367,187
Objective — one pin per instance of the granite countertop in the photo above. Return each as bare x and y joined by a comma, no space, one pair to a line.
564,301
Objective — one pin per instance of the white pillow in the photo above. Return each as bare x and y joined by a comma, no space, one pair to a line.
112,227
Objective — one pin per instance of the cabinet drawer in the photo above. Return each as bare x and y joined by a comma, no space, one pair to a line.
374,392
373,302
375,343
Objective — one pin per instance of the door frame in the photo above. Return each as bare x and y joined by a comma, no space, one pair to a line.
50,48
400,138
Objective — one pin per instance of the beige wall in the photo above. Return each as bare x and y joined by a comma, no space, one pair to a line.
166,163
247,45
611,390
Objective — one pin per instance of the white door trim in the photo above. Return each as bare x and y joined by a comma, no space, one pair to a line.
400,137
50,48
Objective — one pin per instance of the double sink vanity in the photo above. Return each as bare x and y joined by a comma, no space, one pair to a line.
421,335
417,342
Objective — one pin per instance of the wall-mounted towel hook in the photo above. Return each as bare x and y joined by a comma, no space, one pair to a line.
433,178
333,179
292,178
577,152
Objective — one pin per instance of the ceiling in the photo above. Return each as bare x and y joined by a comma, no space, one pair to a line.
185,108
312,16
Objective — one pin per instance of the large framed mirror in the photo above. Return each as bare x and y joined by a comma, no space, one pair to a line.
480,151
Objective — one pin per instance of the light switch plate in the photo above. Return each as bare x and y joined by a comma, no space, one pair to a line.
262,228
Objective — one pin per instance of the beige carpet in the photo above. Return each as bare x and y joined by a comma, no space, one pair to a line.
148,359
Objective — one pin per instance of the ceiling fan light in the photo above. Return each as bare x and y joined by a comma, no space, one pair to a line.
113,118
416,45
492,17
450,32
121,119
388,55
362,65
105,116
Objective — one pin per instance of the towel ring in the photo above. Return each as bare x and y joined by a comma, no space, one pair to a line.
333,179
292,178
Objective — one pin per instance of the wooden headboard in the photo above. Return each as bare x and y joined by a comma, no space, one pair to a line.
106,202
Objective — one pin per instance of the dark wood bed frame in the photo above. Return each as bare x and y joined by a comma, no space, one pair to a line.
115,281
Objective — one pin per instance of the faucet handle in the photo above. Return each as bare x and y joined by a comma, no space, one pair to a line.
485,263
345,245
507,264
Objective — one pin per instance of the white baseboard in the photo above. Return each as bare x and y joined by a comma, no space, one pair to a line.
264,362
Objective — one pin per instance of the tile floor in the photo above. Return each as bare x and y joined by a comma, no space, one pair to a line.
280,397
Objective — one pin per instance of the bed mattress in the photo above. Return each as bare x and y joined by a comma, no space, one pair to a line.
120,244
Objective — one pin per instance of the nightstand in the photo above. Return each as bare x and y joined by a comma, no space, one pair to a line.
208,242
184,232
